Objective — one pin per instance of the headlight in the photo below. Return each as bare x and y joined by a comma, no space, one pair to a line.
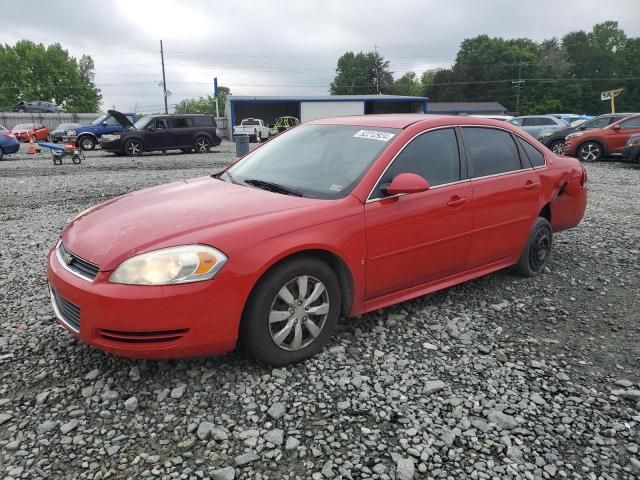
545,133
188,263
71,133
633,141
573,135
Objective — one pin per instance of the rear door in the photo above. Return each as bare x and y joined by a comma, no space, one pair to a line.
183,132
506,195
419,238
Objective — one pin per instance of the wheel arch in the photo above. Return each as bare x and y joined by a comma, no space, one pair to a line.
337,264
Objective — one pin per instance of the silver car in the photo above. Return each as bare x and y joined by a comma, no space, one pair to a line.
539,125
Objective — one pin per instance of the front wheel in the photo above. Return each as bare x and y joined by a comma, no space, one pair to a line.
537,251
202,145
590,152
87,143
557,147
133,148
292,312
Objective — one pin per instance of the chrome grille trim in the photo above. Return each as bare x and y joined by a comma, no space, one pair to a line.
76,265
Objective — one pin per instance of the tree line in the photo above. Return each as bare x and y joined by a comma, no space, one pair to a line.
30,71
565,75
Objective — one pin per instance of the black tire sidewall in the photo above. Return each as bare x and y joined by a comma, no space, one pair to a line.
554,143
254,329
524,264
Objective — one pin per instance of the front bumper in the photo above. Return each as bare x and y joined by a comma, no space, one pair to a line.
151,322
114,146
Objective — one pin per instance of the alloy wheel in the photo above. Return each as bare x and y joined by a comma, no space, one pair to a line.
558,148
298,313
133,148
590,152
87,144
202,145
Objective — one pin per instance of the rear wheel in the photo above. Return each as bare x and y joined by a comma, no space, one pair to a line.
292,312
537,251
133,148
590,152
86,143
202,145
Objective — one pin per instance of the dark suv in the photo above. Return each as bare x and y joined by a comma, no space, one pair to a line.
186,132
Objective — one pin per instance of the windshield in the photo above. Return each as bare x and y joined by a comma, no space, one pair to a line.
142,123
23,126
318,161
99,120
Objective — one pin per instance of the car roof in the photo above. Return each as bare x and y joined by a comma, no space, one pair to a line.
404,120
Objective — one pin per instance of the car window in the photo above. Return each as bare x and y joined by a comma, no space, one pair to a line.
203,121
130,118
515,121
433,155
535,156
530,122
490,151
598,122
182,122
162,123
548,121
111,121
632,123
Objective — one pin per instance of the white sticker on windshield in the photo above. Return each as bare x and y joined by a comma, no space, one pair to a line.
375,135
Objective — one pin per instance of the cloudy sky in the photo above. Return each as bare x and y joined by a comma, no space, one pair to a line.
283,47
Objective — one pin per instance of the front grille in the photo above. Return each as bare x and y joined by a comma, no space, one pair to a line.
66,311
158,336
76,264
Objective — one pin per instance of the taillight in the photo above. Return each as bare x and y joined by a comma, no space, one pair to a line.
217,132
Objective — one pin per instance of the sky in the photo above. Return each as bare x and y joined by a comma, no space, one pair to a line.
280,47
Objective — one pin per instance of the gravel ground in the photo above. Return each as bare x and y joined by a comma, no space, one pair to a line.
499,378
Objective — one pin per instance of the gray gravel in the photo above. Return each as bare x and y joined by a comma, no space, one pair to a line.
499,378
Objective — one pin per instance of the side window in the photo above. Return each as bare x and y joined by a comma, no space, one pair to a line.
433,155
162,123
130,118
182,122
535,156
548,121
600,122
491,151
203,121
529,122
111,121
629,124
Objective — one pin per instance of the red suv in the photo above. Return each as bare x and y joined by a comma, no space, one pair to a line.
591,145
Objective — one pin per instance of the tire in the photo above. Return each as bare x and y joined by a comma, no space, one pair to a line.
86,143
557,147
590,152
133,148
76,159
57,161
291,339
202,145
537,251
186,150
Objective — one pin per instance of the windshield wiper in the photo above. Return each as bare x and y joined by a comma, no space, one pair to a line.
272,187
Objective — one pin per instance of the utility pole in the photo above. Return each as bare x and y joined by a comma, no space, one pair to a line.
164,81
518,84
375,48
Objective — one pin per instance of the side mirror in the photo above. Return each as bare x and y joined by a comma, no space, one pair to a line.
104,124
406,183
616,127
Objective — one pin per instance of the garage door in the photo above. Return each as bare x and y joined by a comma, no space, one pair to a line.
313,110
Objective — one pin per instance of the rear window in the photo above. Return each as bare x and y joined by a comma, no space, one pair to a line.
250,122
182,122
533,154
204,121
491,151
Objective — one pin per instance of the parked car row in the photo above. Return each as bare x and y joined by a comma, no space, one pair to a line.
590,140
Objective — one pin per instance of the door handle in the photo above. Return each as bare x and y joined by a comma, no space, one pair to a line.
530,185
456,201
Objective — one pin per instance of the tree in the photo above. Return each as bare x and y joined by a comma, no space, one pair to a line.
204,104
30,71
361,74
407,84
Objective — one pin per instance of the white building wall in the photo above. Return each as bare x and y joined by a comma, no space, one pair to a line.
314,110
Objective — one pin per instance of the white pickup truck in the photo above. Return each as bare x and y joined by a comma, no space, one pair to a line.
254,127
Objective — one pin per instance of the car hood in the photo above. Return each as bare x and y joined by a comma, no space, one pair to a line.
202,210
121,118
565,131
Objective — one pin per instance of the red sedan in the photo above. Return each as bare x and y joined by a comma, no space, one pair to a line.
26,132
336,217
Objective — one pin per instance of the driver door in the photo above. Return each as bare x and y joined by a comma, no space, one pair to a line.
423,237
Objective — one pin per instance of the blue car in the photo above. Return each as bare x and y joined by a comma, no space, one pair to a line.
88,136
8,142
